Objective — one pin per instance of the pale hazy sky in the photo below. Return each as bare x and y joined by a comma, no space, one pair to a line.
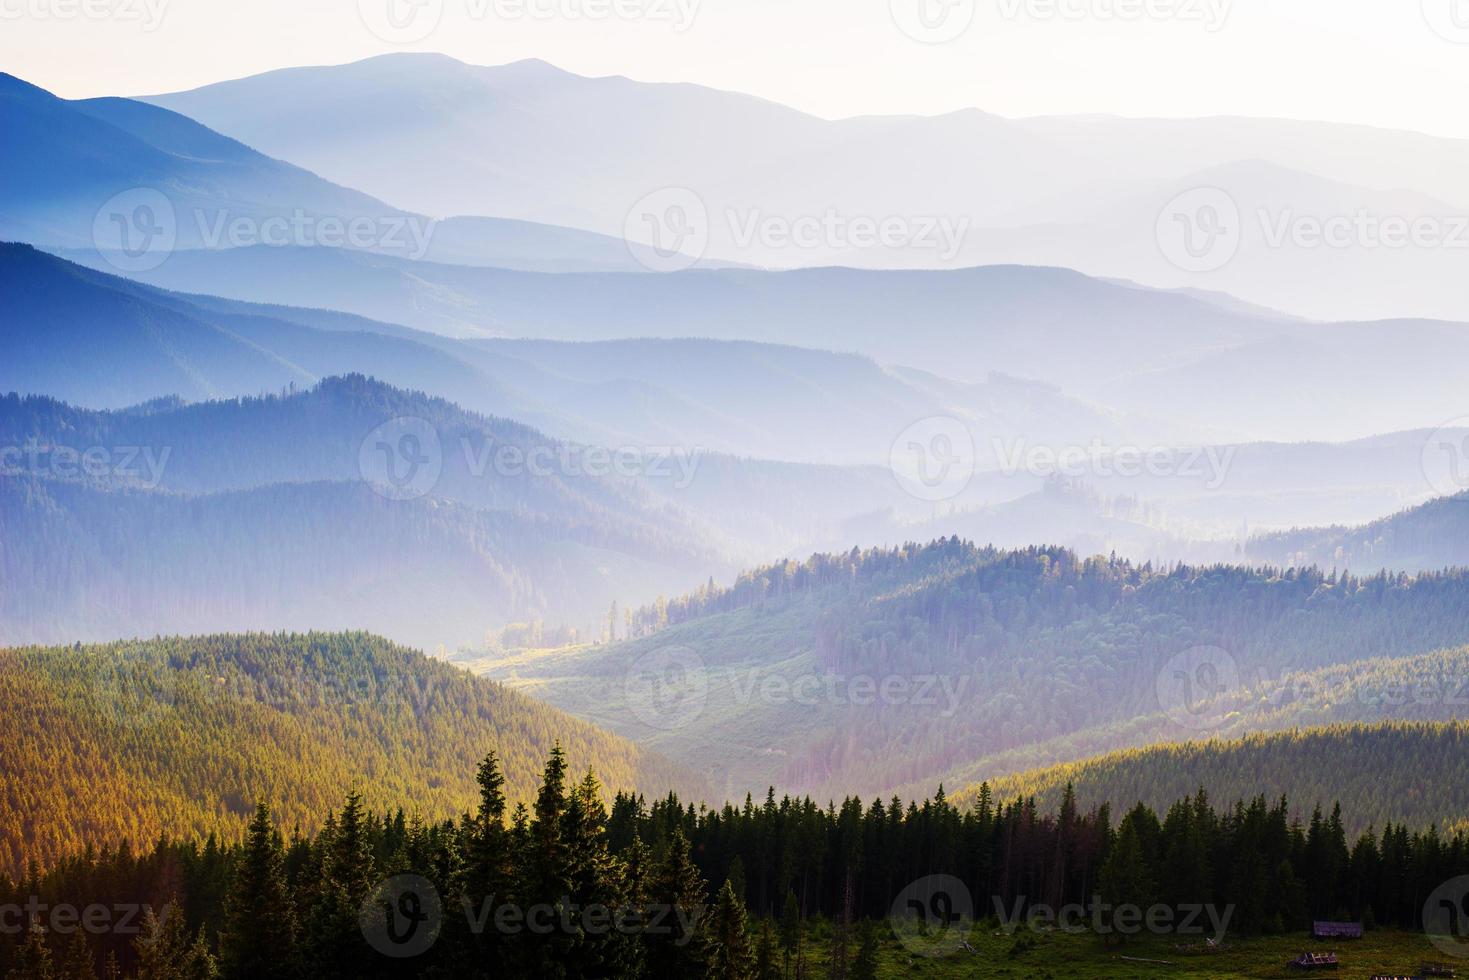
1382,62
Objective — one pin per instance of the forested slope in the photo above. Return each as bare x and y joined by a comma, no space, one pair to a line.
278,512
182,736
1409,773
988,652
1432,535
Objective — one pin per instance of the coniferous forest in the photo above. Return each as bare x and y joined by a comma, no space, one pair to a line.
619,489
568,887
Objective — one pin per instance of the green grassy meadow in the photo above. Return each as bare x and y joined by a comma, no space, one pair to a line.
1055,955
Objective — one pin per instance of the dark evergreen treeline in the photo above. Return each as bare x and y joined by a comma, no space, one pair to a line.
693,892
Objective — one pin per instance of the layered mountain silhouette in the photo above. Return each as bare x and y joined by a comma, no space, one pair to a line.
1249,375
528,140
73,165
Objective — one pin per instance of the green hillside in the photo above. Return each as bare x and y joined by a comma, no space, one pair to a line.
887,670
182,736
1396,772
1431,687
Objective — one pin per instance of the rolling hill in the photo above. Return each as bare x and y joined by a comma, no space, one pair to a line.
1429,688
779,679
180,737
94,564
1396,772
1432,535
284,511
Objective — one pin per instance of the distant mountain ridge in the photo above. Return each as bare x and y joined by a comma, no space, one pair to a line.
1080,192
70,158
1122,347
757,400
278,511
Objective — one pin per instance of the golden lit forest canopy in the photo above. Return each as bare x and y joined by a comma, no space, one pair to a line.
182,736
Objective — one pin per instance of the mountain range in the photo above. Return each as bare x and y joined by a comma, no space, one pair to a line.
491,429
1114,345
81,166
1107,343
531,141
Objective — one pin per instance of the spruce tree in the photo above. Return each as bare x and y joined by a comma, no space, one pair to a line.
33,959
790,928
259,935
728,939
677,895
489,872
593,883
165,952
864,967
1125,877
76,962
345,877
766,965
